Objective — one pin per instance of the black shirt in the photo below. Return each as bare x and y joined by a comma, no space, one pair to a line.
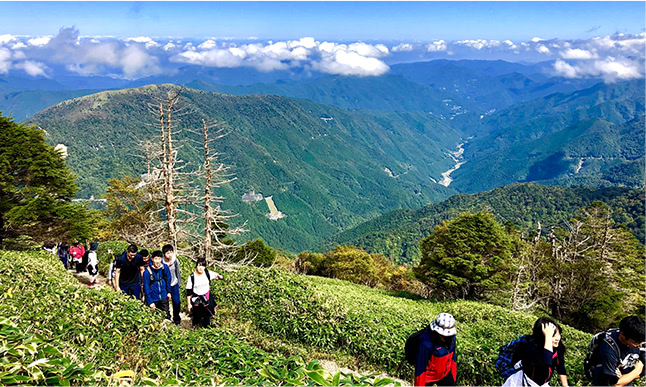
538,364
129,273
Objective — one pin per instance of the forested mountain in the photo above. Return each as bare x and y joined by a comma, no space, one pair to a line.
591,136
397,233
326,168
24,104
387,92
490,85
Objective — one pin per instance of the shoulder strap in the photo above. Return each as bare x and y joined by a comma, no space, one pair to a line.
208,276
613,344
193,282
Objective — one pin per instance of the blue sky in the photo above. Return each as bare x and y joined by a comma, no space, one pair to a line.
138,39
410,21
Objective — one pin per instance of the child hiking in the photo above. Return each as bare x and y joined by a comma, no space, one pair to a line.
156,280
198,294
93,263
176,280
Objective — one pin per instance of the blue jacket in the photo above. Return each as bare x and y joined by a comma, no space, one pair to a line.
156,283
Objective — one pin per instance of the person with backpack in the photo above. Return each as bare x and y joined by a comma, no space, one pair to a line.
84,261
145,256
434,352
198,294
157,284
93,263
76,253
127,274
63,253
176,279
532,359
614,357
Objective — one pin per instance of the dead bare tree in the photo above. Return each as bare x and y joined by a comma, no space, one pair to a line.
213,245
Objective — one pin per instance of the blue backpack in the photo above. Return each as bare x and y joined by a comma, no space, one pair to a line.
504,364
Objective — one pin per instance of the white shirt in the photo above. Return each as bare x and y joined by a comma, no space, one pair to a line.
202,284
92,259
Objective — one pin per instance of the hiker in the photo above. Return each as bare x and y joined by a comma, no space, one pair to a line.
538,355
63,253
617,360
436,355
145,256
111,269
93,263
127,276
176,279
50,247
198,294
84,261
157,284
76,253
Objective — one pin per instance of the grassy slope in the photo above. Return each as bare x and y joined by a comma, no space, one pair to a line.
373,325
109,332
362,327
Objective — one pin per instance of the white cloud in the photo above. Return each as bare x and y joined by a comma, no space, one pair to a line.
543,49
402,47
39,42
207,45
212,58
363,49
5,60
137,62
32,68
479,44
307,42
149,42
564,69
578,53
536,39
7,38
169,46
610,69
436,46
350,63
18,46
510,44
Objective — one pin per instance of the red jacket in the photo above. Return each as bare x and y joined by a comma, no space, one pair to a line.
77,252
434,362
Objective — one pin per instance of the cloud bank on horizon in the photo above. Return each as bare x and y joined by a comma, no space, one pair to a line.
612,58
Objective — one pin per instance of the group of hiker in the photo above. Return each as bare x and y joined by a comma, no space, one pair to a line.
78,257
155,278
615,357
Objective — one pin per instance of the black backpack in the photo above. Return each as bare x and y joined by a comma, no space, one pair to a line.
505,361
152,278
592,357
412,346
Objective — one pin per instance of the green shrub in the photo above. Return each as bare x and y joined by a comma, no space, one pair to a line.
109,332
373,324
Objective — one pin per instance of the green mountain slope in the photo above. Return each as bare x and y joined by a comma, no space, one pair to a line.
397,233
545,139
326,168
490,85
24,104
387,92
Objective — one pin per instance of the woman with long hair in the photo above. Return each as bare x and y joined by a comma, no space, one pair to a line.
540,356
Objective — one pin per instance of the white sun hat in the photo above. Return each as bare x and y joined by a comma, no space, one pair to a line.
444,324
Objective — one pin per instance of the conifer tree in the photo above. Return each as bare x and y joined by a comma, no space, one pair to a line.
466,256
36,188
